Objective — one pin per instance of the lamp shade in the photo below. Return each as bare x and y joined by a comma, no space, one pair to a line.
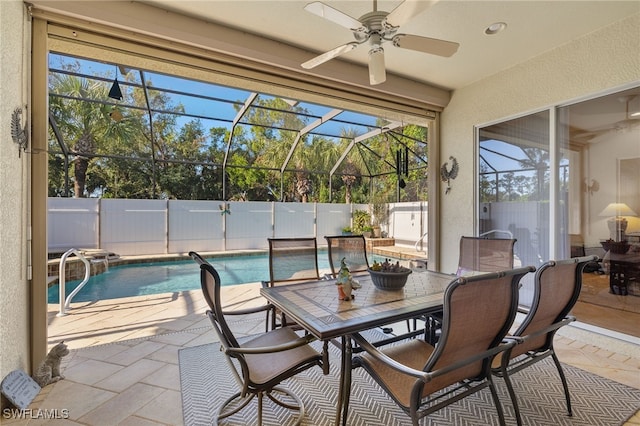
617,209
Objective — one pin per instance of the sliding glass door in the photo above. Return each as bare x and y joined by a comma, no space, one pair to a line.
548,179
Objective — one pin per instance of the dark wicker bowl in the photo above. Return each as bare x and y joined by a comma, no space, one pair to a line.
385,280
617,247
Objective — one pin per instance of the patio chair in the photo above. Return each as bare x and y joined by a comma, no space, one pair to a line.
480,254
477,255
557,286
422,378
261,363
292,260
353,248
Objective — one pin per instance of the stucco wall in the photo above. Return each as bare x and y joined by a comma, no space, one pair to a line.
603,60
14,294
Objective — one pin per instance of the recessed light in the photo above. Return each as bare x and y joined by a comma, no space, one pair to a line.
495,28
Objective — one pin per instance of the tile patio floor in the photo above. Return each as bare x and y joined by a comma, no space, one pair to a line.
123,367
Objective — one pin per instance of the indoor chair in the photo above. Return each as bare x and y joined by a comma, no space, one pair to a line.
557,286
422,378
261,363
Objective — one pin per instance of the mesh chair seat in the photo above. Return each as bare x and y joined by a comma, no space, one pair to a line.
266,367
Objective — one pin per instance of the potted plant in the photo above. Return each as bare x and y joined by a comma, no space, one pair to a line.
367,231
346,230
388,276
380,211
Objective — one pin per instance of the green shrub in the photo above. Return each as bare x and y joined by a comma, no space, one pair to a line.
361,220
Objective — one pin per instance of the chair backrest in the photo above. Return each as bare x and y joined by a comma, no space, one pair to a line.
479,254
351,247
478,312
293,260
210,284
557,285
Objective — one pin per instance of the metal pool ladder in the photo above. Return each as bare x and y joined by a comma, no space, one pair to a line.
64,304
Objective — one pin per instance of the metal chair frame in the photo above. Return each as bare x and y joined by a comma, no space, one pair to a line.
557,285
258,352
422,378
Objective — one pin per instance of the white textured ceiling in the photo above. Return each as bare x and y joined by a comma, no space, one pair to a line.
533,27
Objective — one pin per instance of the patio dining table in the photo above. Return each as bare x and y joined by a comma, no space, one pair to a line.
315,306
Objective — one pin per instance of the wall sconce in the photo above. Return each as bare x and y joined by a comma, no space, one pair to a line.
591,186
115,92
617,224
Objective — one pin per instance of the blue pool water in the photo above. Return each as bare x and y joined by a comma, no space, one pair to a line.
168,277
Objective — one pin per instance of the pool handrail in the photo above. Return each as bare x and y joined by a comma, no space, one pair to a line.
64,303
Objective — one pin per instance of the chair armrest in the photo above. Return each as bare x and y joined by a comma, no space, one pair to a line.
428,376
267,307
517,339
565,321
301,341
488,354
375,353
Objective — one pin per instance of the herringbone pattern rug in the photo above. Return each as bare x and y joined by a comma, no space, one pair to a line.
206,382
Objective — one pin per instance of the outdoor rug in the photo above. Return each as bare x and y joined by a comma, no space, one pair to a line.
206,382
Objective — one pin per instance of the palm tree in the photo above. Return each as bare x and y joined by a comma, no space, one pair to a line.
85,121
349,178
303,184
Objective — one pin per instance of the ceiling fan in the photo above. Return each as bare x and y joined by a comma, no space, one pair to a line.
376,28
630,121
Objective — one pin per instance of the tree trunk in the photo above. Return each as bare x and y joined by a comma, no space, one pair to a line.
80,172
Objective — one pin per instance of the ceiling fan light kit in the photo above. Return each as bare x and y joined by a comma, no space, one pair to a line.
377,72
378,27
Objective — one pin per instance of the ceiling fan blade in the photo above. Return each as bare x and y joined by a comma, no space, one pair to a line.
377,71
407,10
334,15
321,59
433,46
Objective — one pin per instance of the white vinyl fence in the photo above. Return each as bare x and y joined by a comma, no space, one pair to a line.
139,227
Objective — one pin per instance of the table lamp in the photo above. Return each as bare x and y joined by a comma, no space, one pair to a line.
617,224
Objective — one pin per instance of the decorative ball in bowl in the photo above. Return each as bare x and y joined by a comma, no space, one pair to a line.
618,247
388,276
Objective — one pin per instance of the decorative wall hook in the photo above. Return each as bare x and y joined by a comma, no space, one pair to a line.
448,175
224,209
18,133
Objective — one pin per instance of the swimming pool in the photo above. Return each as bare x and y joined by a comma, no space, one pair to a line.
168,277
